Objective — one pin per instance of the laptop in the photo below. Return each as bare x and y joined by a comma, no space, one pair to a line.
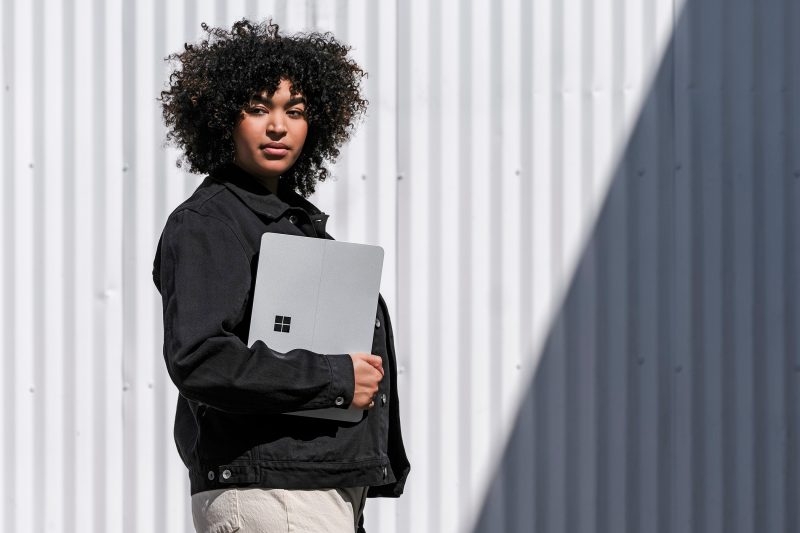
316,294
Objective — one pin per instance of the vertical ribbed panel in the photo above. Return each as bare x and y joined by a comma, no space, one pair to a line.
590,216
666,395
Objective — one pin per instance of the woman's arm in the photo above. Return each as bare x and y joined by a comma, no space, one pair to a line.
204,277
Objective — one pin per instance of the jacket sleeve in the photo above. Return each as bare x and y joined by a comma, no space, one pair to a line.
204,276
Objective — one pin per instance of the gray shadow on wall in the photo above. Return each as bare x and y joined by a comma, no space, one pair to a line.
667,396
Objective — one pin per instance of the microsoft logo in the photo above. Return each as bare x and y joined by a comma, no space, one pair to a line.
282,323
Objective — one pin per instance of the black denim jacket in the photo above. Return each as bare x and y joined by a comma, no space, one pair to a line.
228,426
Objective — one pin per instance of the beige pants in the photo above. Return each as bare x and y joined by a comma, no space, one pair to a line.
278,510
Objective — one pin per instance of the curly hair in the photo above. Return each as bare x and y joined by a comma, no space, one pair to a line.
217,77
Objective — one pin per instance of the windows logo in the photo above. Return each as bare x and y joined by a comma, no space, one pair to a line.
282,323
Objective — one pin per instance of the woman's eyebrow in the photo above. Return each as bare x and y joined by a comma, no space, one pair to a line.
260,99
296,100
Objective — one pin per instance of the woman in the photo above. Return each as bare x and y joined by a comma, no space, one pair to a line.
260,113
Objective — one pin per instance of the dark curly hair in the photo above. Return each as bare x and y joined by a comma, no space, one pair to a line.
217,78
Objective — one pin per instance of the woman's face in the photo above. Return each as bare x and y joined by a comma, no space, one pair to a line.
271,133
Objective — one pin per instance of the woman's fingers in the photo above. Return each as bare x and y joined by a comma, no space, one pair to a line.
366,379
376,362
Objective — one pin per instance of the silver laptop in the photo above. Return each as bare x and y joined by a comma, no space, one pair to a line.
317,294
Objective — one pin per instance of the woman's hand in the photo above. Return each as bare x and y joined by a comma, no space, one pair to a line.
368,370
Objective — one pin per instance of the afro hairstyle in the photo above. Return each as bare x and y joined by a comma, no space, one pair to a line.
215,79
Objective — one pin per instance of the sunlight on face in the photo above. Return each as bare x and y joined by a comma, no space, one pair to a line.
270,135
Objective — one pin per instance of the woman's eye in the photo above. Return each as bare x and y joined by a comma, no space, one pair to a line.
297,113
256,110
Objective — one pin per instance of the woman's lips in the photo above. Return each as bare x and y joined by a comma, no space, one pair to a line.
277,149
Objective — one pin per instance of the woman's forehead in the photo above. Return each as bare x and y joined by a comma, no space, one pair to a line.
284,84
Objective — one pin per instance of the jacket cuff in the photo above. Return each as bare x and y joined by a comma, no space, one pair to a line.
343,380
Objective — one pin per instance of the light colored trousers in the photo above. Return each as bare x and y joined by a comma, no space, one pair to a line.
254,510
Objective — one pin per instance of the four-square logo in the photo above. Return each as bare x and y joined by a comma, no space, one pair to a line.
282,323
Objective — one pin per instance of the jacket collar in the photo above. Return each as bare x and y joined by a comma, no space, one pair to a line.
261,200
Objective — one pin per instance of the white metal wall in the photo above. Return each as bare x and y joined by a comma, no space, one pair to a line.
588,211
666,398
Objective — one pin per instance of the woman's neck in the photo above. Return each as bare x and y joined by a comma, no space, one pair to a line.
268,182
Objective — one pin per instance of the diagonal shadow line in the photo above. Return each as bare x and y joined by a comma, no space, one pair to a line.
667,396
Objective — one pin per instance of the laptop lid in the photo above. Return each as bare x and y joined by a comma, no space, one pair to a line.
317,294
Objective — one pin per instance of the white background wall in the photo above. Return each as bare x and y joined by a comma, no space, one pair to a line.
588,209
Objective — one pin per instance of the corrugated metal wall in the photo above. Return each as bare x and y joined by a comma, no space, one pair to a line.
666,398
589,216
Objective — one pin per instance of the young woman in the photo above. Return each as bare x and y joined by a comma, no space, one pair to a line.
259,113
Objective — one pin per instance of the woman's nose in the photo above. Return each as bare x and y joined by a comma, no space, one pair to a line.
276,124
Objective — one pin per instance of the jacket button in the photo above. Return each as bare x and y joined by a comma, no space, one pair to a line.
377,323
339,400
293,219
383,399
226,474
211,475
